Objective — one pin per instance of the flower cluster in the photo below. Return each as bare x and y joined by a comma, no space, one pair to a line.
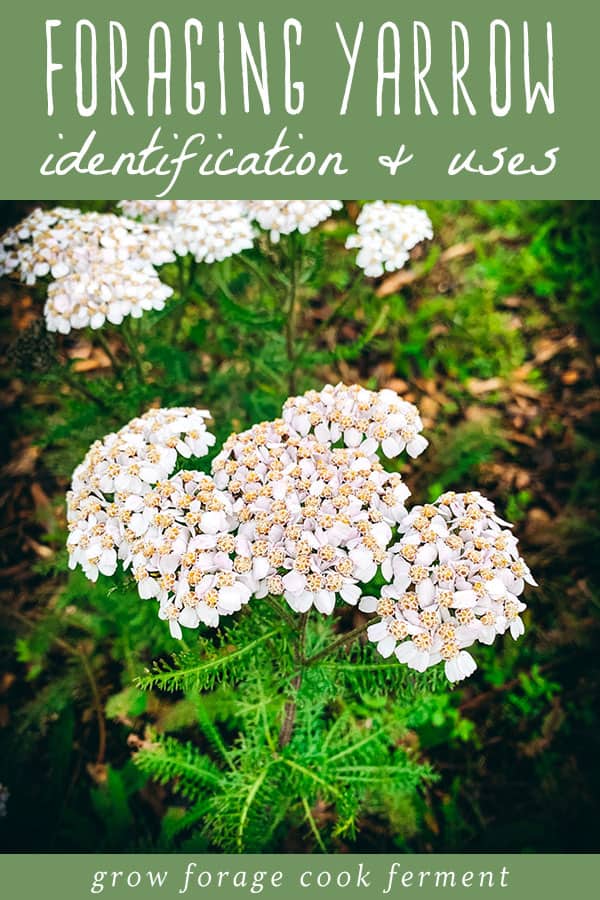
285,216
156,212
101,265
112,492
18,250
184,553
387,232
103,294
358,418
314,521
299,508
211,230
454,578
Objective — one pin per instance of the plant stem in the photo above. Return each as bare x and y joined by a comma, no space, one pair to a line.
289,717
117,368
376,326
133,350
354,351
313,825
98,708
252,267
185,282
80,654
181,276
293,623
292,313
348,296
340,642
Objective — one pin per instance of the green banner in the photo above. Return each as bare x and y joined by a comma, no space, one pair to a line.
194,99
117,876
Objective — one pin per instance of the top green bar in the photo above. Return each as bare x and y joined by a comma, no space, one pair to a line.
191,99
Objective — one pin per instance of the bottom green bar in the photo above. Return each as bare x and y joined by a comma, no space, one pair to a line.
162,876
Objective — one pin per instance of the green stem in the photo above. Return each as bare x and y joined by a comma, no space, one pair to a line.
310,774
377,324
181,275
289,717
117,368
250,797
292,312
340,642
185,282
221,282
354,351
348,296
133,350
313,825
354,747
282,612
252,267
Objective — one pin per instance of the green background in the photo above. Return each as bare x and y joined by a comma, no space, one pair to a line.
29,134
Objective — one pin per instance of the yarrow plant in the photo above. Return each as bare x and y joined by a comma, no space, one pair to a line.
101,269
315,609
300,509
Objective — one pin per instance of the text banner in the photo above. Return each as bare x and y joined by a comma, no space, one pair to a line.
190,99
161,876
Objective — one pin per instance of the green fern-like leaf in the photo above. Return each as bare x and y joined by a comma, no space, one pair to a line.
204,667
182,765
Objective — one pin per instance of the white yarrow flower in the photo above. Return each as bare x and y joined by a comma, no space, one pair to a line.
101,267
299,508
285,216
360,418
386,233
315,521
455,577
211,230
111,500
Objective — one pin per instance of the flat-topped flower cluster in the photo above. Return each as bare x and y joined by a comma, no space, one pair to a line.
226,216
453,578
387,232
103,268
286,216
211,230
301,509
